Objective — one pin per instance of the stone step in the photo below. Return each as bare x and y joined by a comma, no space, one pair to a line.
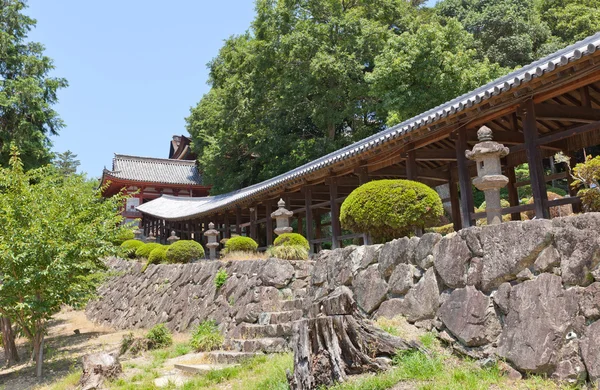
256,331
279,317
230,357
266,345
201,368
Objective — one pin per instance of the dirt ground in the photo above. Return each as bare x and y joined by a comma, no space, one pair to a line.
63,349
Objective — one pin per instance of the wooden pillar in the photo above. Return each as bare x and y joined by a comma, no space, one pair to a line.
309,216
300,225
411,165
253,211
227,233
363,175
336,229
573,190
536,170
238,220
454,199
269,223
464,179
513,194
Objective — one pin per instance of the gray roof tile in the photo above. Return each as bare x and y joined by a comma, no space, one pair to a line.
155,170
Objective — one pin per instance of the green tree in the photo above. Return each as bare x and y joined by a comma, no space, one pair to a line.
66,163
571,20
55,231
27,93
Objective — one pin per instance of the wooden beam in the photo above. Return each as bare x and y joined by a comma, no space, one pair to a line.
573,190
238,220
269,223
559,112
434,155
309,215
513,194
536,170
363,175
336,229
464,179
411,165
558,136
422,173
454,200
504,137
253,218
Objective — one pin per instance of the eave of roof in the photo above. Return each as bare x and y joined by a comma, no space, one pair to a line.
170,209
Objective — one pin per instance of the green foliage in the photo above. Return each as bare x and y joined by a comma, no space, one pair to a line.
66,163
590,199
570,20
503,203
143,251
240,244
207,337
443,230
129,247
587,174
157,256
220,278
27,93
388,209
124,234
184,251
159,337
288,252
291,239
56,230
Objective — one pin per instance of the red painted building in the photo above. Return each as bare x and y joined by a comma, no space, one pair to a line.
148,178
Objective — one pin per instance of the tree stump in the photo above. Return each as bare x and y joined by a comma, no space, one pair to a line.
338,341
96,368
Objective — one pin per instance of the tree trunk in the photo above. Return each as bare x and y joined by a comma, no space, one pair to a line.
339,342
96,368
8,341
38,352
331,131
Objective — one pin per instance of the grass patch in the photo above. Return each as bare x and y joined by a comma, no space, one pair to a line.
243,255
66,383
206,337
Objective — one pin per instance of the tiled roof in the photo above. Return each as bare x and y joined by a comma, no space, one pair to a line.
170,208
154,170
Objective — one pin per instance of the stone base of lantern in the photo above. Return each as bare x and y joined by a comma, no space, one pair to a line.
280,231
212,247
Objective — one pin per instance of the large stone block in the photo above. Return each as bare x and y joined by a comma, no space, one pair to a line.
580,254
468,316
402,279
399,251
370,289
590,350
422,301
540,312
511,247
451,257
589,301
425,248
276,273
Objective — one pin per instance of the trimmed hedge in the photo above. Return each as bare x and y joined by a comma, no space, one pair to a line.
143,252
389,209
158,255
291,239
130,247
184,251
240,244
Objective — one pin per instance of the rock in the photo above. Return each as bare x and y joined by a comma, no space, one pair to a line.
450,258
422,301
97,367
524,275
589,301
539,314
509,372
390,308
590,350
364,256
402,279
446,337
503,259
339,267
570,367
425,248
370,288
339,302
467,316
501,297
474,272
547,260
399,251
277,273
586,221
580,254
319,275
471,237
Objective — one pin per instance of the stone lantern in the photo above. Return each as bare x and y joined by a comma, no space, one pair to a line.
213,243
282,217
172,238
137,234
150,238
487,155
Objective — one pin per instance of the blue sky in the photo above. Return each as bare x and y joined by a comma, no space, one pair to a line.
134,69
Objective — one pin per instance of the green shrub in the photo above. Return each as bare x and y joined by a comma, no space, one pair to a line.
206,337
143,252
130,246
159,337
590,199
288,252
124,235
388,209
157,256
503,204
220,278
184,251
291,239
240,244
443,230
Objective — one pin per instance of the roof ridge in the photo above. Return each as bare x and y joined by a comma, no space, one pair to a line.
160,159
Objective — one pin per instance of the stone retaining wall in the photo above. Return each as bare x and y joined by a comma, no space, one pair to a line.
527,291
183,295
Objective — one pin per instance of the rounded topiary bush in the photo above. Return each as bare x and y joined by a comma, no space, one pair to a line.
389,209
158,255
143,252
130,247
184,251
291,239
240,244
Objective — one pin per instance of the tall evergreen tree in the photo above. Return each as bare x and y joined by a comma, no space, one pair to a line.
27,92
66,163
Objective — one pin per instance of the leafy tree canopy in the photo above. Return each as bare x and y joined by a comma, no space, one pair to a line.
27,92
